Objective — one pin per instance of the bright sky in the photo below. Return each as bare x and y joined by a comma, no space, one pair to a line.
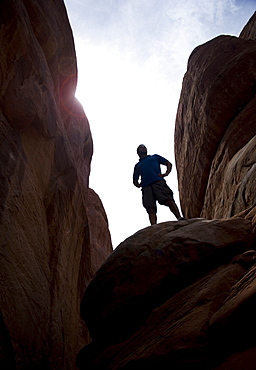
132,56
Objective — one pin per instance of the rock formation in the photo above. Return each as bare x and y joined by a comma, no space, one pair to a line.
54,232
166,295
215,142
181,295
177,295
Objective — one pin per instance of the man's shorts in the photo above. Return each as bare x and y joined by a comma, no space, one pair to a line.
157,191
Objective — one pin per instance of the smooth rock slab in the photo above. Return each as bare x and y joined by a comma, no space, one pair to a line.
151,266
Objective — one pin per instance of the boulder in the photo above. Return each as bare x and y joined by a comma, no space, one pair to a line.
175,253
100,237
151,303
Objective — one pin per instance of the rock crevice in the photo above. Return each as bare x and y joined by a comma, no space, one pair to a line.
181,295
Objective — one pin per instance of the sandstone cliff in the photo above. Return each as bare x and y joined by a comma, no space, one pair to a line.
50,220
181,295
215,142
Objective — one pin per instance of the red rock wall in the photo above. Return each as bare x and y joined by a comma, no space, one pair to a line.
47,214
215,128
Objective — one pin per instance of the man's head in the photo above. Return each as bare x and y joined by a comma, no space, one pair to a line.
141,150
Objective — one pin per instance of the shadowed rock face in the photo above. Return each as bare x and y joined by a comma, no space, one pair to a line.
166,294
48,237
215,128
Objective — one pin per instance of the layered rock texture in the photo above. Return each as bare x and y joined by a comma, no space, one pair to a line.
182,295
54,232
215,142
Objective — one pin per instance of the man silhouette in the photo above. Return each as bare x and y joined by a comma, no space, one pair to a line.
154,187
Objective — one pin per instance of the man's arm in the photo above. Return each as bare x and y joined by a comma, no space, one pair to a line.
136,183
168,169
136,176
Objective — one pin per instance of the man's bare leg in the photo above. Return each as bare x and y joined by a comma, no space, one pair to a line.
174,209
152,215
